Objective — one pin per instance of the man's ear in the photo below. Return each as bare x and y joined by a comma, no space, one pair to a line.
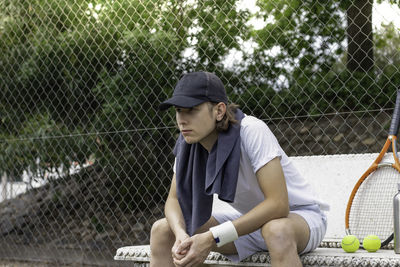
221,110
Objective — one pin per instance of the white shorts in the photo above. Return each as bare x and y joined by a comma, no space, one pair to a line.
254,242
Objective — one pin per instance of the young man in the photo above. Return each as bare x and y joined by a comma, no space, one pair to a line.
222,151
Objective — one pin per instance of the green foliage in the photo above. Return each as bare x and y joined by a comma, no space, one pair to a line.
81,78
302,38
387,44
90,67
220,27
298,70
39,148
393,2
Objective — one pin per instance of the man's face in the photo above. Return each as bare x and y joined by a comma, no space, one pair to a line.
197,124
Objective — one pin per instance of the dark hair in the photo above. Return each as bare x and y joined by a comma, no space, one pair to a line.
229,117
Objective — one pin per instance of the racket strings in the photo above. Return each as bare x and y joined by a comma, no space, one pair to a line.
372,208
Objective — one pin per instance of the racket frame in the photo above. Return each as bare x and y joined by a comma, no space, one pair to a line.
391,140
372,168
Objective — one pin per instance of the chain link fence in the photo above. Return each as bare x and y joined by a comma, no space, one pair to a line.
86,157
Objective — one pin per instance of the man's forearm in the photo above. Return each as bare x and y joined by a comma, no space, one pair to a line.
259,215
174,216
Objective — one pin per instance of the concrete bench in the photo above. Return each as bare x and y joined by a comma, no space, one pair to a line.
333,177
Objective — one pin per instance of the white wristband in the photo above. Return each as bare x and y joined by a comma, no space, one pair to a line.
224,233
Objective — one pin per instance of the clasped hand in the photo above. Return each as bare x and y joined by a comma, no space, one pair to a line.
192,251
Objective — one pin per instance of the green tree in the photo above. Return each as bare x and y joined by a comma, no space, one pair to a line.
360,49
86,77
298,45
359,30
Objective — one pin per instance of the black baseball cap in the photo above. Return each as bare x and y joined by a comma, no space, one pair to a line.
195,88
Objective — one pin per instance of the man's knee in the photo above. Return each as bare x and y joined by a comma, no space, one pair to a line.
161,229
161,242
279,235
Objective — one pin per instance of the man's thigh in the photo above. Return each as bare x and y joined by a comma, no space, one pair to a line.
309,225
314,221
301,230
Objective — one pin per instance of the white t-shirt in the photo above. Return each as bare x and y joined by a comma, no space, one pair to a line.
258,147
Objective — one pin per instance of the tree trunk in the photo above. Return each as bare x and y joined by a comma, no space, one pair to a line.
360,51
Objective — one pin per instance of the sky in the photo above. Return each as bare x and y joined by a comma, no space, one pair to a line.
385,13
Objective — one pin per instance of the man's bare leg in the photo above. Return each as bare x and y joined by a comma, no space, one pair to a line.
161,241
285,238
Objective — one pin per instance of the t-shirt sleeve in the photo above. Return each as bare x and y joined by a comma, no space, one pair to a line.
260,143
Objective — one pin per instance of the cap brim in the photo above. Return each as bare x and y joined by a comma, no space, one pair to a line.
181,101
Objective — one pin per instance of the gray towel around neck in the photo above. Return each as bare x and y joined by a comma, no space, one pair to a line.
200,174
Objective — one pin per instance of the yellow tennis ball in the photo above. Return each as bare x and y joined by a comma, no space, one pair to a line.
371,243
350,243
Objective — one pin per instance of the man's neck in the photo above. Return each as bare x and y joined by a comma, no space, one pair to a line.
209,141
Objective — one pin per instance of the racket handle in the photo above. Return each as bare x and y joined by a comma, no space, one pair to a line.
394,125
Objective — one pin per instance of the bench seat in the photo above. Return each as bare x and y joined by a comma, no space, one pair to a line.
333,178
322,256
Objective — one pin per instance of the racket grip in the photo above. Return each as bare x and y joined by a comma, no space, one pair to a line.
394,125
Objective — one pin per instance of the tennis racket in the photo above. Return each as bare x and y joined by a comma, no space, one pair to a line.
370,206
